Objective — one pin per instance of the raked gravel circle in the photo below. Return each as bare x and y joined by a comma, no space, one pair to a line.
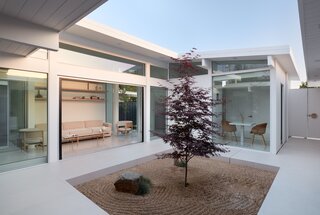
215,187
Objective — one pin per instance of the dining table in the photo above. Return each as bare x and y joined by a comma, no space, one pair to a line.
242,126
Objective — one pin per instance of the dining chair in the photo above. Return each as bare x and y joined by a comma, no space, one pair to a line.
226,127
259,129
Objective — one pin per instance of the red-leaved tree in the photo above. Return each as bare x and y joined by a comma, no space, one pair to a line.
189,108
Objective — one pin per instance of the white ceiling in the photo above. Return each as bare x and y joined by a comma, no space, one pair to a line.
309,11
15,48
53,14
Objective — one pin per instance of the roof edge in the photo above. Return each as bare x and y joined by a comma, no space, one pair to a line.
111,32
259,51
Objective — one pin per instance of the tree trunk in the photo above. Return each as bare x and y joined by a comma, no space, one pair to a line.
186,173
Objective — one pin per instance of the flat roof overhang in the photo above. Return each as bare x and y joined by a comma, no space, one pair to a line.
309,12
283,54
29,25
96,32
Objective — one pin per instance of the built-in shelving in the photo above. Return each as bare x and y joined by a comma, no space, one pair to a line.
83,100
83,91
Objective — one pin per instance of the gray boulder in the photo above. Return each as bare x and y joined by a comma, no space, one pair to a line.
128,182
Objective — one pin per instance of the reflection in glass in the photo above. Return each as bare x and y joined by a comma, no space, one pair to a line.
23,118
158,72
157,109
229,66
245,106
174,68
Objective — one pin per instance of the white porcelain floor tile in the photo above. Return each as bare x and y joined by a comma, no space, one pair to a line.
43,189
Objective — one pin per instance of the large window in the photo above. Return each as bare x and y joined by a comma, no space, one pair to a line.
245,109
157,109
97,116
158,72
88,58
229,66
23,118
174,68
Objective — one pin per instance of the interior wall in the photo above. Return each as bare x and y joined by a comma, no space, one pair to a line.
81,111
41,112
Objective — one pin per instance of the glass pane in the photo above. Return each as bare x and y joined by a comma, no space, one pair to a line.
229,66
158,72
23,118
98,116
245,109
173,69
88,58
157,108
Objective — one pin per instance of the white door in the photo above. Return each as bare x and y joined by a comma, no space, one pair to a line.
314,112
298,111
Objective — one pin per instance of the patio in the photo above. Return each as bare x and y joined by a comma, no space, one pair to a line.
43,189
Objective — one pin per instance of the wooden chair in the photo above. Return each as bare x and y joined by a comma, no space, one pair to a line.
226,127
124,127
31,136
44,128
259,129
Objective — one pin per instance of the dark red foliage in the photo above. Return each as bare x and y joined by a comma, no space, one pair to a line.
189,112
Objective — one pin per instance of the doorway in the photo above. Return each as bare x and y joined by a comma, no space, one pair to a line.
96,116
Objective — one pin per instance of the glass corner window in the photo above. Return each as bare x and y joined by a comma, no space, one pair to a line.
23,118
244,113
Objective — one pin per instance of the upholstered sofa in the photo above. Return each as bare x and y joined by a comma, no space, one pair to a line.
86,129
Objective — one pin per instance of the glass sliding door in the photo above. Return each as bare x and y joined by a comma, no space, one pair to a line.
23,118
4,113
97,116
130,111
157,107
245,109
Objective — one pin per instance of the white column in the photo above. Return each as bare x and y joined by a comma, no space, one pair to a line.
139,110
286,109
147,106
115,102
274,115
53,109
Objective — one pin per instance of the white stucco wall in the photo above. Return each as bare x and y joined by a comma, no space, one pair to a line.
278,76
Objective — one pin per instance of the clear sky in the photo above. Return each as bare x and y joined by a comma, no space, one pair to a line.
207,24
